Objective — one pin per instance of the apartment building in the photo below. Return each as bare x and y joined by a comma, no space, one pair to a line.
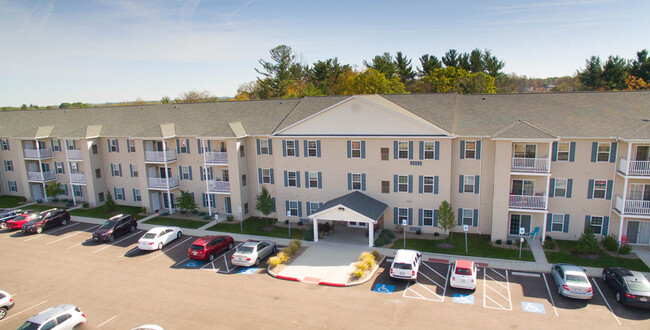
557,162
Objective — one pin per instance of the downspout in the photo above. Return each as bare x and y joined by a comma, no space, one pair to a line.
480,171
548,188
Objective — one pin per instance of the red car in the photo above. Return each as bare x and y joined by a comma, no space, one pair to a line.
206,247
19,221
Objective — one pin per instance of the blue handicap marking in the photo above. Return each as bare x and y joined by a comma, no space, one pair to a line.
467,299
248,271
533,307
384,288
193,264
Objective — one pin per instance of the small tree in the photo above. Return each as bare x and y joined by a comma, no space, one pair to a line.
446,218
587,241
264,204
53,190
186,201
110,202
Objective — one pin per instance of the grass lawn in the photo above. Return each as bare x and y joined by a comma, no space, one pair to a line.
7,201
184,223
605,260
253,226
478,246
41,207
102,212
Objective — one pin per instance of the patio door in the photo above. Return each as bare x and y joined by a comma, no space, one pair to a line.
162,172
525,150
523,187
640,192
638,232
642,153
517,221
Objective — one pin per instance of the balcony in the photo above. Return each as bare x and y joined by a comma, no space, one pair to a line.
38,153
161,183
159,156
527,202
634,167
212,157
78,178
218,186
530,165
73,154
41,176
632,207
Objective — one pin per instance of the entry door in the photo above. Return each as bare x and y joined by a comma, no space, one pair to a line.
155,201
642,153
519,220
37,192
162,172
644,233
159,146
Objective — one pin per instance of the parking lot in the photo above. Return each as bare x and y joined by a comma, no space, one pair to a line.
119,287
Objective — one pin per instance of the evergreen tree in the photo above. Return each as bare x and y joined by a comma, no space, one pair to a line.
640,67
592,75
404,69
384,64
428,63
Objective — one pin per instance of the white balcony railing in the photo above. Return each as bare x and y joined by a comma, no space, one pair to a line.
636,207
161,183
634,167
218,186
73,154
38,153
77,178
159,156
532,165
527,202
41,176
212,157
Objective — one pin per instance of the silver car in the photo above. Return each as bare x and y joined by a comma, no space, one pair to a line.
6,303
572,281
56,318
251,252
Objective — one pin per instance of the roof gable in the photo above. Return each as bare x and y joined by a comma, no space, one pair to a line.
353,205
521,129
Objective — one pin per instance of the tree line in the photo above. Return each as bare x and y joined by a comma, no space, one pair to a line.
616,73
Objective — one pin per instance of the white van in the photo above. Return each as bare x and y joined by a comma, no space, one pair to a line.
406,264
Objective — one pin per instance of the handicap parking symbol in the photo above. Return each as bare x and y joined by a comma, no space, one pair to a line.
248,271
384,288
533,307
193,264
466,299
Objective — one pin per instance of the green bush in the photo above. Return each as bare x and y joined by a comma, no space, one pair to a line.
625,249
203,213
610,243
436,234
357,273
549,243
39,201
286,222
499,242
183,212
287,251
300,223
386,236
376,254
283,257
294,246
587,241
309,236
509,242
68,204
362,266
230,218
297,242
195,211
207,217
418,232
85,205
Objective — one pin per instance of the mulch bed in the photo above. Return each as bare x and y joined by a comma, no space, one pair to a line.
280,267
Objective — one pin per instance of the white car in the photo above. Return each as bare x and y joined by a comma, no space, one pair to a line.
252,252
56,318
463,275
158,237
6,303
406,264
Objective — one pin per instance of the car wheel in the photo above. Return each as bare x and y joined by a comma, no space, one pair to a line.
257,262
179,234
3,225
274,249
39,230
618,298
559,290
160,245
64,222
604,276
229,246
3,313
111,238
132,229
211,257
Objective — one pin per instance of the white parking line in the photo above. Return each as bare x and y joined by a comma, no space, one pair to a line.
102,248
77,233
182,261
24,310
161,252
549,295
525,274
52,232
225,260
608,307
99,326
506,286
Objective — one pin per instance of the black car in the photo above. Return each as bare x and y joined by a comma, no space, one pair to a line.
115,226
45,220
631,287
9,215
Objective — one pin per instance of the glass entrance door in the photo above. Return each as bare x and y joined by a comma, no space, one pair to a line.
638,232
642,153
517,221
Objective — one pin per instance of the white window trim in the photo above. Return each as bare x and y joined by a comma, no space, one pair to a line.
471,149
4,144
432,151
602,223
264,142
9,165
310,176
13,186
568,152
113,145
310,148
609,149
131,145
185,175
138,195
399,184
266,177
354,181
353,149
425,217
561,222
295,179
401,217
58,167
399,149
471,218
119,194
293,148
566,184
425,184
293,206
465,184
593,193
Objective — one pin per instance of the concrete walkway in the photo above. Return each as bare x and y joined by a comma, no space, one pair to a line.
537,249
643,252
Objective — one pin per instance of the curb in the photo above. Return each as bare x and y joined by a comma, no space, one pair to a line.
366,280
287,278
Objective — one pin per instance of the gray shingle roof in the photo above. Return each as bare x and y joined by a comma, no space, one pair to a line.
358,202
522,130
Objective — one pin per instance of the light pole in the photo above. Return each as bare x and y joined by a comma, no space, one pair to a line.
404,224
289,221
241,222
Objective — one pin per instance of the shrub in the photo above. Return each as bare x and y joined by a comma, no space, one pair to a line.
362,266
376,254
203,213
610,243
230,218
297,242
300,223
164,213
273,262
549,244
195,211
39,201
436,234
499,242
85,205
65,200
294,246
183,212
368,259
309,235
418,232
143,210
509,242
357,273
207,217
587,241
68,204
287,251
283,257
286,222
625,249
385,237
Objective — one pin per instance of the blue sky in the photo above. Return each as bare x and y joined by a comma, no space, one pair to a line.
119,50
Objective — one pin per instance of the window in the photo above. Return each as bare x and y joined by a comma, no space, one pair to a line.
385,187
640,192
185,173
313,179
560,187
600,187
468,183
62,318
427,218
116,169
384,153
266,175
293,208
402,215
292,179
113,146
243,180
94,147
356,181
402,150
557,222
523,187
468,217
70,144
222,146
136,195
225,176
603,152
291,148
100,196
403,183
74,167
427,184
525,150
430,149
312,207
9,165
13,187
597,224
98,173
470,149
56,145
245,208
264,147
77,191
131,146
134,170
355,149
119,194
563,149
242,153
58,167
183,147
4,144
312,148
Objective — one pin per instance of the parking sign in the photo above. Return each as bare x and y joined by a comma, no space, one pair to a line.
465,227
404,222
522,230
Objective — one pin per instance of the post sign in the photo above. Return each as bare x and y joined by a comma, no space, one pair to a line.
522,230
404,222
239,209
465,227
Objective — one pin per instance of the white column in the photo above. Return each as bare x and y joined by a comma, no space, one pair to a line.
205,176
371,234
545,215
40,168
74,200
620,226
169,195
315,230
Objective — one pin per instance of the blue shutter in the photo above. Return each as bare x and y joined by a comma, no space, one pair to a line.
259,149
363,181
119,169
117,145
180,173
114,193
435,184
52,145
320,180
410,149
590,191
421,155
123,194
594,151
128,148
363,149
133,191
478,150
308,208
190,167
209,147
461,182
178,146
273,200
420,213
109,145
202,174
300,209
284,148
475,220
131,169
410,216
297,179
349,149
549,222
297,146
198,144
460,216
259,175
437,151
610,186
410,183
286,179
287,207
395,182
421,184
612,152
605,230
272,176
349,181
318,148
63,168
435,218
569,187
270,147
572,152
395,150
462,149
551,189
306,179
477,184
554,153
565,228
306,149
587,221
187,146
205,204
395,215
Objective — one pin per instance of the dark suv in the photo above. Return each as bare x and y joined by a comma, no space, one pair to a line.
115,226
46,219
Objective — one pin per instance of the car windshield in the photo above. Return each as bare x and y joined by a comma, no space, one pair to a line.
400,265
109,224
29,326
149,236
196,247
463,271
245,250
576,279
20,217
639,286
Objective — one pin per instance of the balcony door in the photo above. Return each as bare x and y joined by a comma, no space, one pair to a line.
162,172
522,188
42,145
642,153
638,232
640,192
517,221
525,150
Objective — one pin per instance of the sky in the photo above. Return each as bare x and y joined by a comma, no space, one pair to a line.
97,51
